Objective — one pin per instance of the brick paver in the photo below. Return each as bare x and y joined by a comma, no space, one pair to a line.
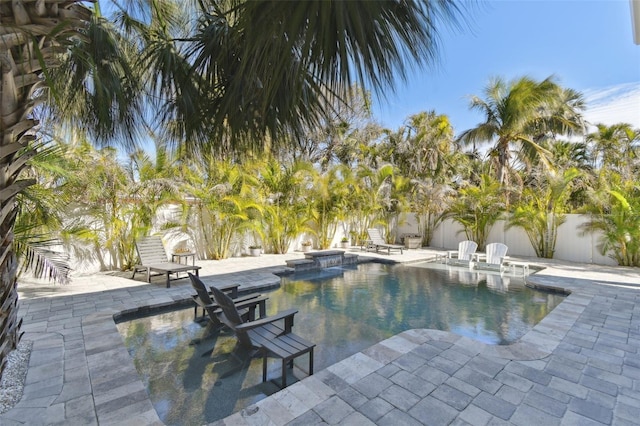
579,366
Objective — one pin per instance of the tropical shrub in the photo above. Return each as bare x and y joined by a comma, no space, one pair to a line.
225,202
615,213
541,211
478,208
285,209
327,204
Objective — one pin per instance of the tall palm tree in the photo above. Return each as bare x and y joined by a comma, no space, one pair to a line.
426,146
249,68
518,114
24,51
615,147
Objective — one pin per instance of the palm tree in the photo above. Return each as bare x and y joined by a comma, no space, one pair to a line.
32,39
286,211
368,188
478,208
327,201
249,69
223,206
105,204
255,68
323,145
40,221
429,202
424,149
517,115
615,215
615,147
542,210
426,145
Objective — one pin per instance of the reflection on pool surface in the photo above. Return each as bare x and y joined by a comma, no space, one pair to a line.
343,311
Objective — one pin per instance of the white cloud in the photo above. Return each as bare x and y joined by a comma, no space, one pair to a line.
614,104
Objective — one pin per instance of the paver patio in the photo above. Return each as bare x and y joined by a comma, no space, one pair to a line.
579,366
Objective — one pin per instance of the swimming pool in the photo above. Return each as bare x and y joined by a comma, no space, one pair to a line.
343,311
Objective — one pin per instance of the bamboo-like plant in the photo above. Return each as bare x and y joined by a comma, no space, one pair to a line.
429,201
224,201
615,214
286,210
367,187
478,208
394,202
327,204
542,211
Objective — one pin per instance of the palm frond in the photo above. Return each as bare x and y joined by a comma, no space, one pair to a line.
39,255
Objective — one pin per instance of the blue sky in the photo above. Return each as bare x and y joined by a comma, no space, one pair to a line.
587,45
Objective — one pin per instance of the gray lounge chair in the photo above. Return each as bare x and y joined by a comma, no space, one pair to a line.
377,242
265,337
153,258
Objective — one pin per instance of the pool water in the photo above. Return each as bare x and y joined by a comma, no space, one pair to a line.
196,378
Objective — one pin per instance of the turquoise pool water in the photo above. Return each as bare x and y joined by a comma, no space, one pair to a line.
195,379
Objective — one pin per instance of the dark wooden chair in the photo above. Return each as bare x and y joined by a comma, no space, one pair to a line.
153,258
264,336
245,304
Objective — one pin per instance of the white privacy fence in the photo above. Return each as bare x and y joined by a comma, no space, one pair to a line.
572,244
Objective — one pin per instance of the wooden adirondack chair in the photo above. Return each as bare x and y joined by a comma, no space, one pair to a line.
245,304
264,336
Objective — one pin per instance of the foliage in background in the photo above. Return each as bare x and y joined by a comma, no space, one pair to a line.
327,199
286,209
477,208
615,214
541,211
520,114
41,211
222,202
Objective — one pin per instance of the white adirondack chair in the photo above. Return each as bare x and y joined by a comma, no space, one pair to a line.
495,255
465,251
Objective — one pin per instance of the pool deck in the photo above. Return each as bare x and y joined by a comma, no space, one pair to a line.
579,366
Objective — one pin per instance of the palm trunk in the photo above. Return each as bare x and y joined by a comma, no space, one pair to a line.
24,49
